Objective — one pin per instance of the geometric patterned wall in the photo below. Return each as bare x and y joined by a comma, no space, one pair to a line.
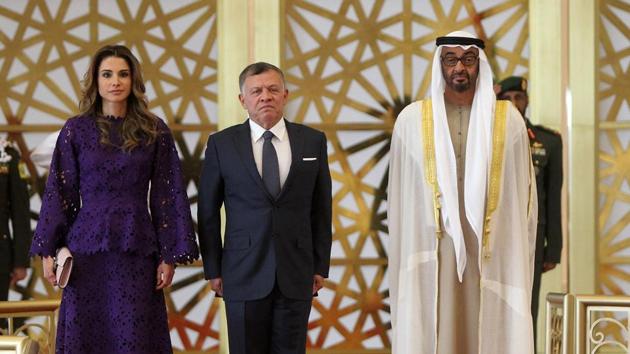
613,78
613,113
351,67
45,48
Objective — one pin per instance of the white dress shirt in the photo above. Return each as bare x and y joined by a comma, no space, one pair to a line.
280,142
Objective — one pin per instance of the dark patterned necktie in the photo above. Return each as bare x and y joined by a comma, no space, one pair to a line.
270,170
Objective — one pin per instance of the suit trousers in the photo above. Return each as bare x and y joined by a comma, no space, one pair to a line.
274,324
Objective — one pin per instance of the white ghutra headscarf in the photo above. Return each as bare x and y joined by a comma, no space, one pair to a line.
478,148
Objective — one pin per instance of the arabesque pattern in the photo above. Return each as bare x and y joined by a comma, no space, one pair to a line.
614,155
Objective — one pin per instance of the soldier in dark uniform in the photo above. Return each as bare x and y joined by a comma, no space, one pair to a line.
14,205
546,148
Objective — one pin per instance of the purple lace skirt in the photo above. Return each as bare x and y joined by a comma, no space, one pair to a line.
111,306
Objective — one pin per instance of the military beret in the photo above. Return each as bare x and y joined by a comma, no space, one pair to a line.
513,83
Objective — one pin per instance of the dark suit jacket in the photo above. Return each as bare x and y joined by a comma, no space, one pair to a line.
285,240
14,205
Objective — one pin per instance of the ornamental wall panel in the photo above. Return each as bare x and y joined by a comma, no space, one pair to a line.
613,75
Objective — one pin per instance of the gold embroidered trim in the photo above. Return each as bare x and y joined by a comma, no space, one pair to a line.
496,166
498,147
429,157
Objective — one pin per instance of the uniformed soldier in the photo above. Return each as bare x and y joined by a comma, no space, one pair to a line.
546,148
14,205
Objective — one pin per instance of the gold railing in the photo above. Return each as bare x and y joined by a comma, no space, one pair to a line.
602,324
587,324
25,309
18,344
559,324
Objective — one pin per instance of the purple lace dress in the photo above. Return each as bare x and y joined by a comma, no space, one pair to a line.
95,202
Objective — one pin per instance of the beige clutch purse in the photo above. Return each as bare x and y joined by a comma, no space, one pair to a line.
63,266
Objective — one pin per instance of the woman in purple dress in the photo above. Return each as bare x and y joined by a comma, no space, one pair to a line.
95,203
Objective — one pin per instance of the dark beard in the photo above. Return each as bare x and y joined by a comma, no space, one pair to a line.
461,87
457,87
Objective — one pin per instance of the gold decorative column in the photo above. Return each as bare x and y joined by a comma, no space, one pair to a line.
548,83
233,56
248,31
233,38
582,144
268,30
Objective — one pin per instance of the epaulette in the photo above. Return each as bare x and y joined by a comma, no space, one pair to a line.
12,144
9,143
5,157
548,130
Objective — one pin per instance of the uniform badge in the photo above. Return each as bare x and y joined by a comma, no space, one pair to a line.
4,168
23,170
538,149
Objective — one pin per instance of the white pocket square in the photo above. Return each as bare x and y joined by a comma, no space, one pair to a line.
309,158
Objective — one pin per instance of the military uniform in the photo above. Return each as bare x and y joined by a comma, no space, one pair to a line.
546,148
14,205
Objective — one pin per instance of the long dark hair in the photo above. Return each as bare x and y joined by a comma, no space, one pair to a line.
140,125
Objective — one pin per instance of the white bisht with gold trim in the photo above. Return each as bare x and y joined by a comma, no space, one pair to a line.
506,258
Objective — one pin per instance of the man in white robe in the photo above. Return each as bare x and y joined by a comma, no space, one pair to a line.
461,285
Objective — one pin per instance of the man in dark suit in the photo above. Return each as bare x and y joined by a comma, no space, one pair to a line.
272,177
14,205
546,148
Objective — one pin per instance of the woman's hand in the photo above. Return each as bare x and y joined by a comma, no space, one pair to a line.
48,263
165,274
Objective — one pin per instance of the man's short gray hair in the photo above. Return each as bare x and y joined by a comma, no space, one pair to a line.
257,69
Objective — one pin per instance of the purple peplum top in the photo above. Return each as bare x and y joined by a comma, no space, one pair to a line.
96,196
